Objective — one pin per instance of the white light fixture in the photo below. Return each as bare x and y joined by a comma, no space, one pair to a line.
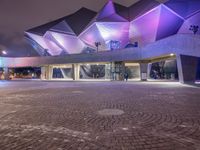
172,54
4,52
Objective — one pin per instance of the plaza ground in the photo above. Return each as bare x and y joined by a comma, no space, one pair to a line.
99,116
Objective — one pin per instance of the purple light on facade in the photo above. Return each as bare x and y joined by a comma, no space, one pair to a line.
107,10
50,46
107,31
169,23
92,35
194,20
70,43
144,29
116,31
156,24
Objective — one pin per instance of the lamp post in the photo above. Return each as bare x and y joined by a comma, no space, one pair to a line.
97,44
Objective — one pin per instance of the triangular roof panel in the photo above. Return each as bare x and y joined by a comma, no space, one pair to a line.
106,11
184,8
80,19
144,29
62,27
50,46
71,44
169,23
141,7
92,35
122,10
41,30
194,20
77,22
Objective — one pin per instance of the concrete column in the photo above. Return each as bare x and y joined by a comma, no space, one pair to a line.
42,76
50,69
187,68
76,71
118,70
143,71
149,70
6,74
108,71
46,72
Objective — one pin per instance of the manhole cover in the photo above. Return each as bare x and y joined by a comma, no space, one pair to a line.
77,92
110,112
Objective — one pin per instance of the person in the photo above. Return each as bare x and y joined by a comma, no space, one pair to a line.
126,76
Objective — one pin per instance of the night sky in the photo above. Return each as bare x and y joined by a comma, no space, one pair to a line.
16,16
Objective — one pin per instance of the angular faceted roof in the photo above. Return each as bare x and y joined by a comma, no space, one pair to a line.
107,26
115,25
77,22
141,7
41,30
62,27
122,10
154,25
45,43
184,8
169,23
109,14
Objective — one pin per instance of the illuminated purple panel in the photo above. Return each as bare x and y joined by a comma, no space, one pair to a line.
194,20
115,31
144,29
169,23
92,35
50,46
36,46
70,43
62,27
107,10
184,8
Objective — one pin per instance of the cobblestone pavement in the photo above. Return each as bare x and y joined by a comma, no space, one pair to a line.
99,116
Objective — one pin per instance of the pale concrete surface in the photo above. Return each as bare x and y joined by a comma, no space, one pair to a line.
99,116
180,44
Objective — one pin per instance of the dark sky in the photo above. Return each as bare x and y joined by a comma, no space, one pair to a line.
16,16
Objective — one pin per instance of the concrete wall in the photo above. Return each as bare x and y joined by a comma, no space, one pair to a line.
187,68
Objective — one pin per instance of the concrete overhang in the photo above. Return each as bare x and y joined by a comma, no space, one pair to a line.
180,44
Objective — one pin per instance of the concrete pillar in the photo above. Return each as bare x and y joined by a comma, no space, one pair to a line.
187,68
149,70
118,70
143,71
108,71
6,74
46,72
76,71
